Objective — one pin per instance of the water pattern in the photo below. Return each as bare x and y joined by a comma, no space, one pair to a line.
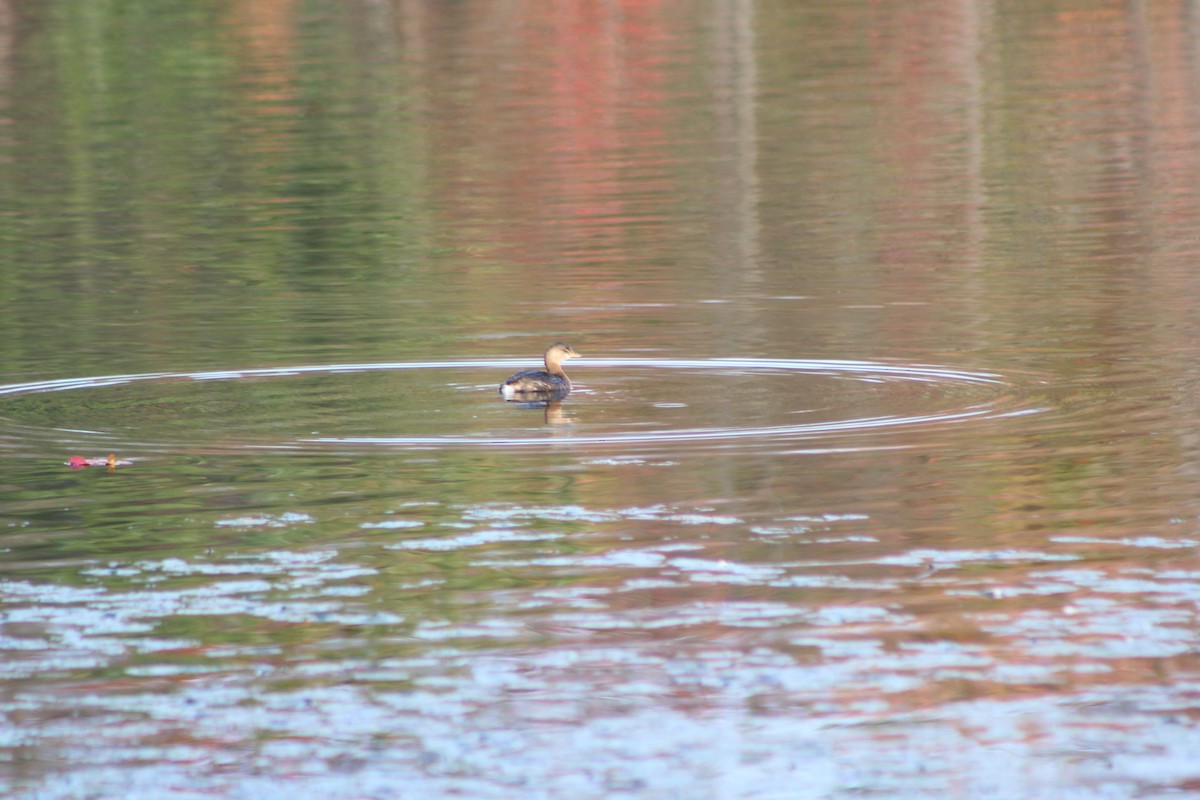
993,402
878,479
785,666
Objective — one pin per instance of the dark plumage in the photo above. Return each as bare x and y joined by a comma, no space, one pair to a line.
537,384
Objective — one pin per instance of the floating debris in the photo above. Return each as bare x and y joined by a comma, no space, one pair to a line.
111,461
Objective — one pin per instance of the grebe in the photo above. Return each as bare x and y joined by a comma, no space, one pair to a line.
537,384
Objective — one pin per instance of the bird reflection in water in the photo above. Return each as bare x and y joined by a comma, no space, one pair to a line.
555,415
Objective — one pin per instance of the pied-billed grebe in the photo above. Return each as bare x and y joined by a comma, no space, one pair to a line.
537,384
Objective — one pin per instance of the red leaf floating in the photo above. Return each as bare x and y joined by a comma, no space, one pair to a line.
111,461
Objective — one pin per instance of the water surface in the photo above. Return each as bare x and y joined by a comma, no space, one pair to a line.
879,477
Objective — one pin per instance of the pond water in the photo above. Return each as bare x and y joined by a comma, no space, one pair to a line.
880,476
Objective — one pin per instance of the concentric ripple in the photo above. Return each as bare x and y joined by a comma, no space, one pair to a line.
429,404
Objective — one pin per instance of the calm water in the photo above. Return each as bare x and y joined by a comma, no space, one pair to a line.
881,477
